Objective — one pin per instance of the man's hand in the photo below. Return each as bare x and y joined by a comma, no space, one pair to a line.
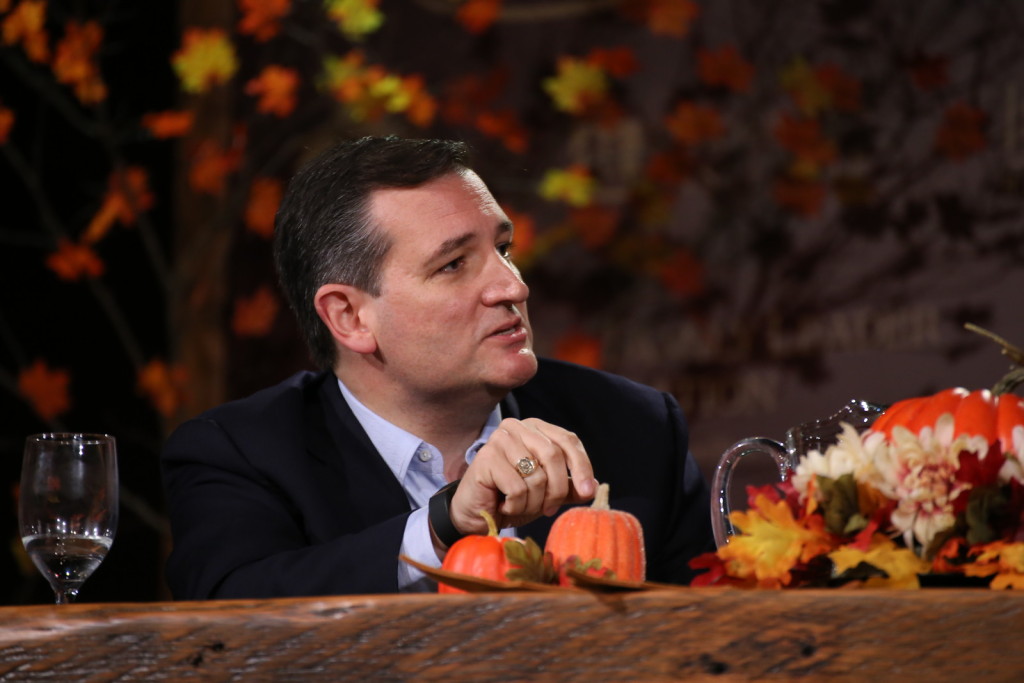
562,474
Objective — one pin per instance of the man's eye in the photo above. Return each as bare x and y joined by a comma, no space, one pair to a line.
505,249
452,266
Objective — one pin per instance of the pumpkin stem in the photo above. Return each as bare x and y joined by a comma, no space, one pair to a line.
1015,376
492,528
601,498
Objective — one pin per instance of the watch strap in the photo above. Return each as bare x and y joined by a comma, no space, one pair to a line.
440,516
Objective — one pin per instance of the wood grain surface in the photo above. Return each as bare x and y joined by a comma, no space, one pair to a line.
691,634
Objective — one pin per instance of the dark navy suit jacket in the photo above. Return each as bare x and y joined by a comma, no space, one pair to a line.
283,494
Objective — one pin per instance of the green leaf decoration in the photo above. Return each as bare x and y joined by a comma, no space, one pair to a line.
985,505
531,563
839,503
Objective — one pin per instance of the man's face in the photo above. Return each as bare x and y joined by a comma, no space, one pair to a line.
451,316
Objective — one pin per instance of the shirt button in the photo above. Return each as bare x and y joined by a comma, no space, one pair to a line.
424,455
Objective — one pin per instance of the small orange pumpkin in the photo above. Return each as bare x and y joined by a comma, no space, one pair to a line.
975,414
598,532
481,556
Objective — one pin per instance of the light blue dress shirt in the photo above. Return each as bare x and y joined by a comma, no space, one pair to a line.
419,468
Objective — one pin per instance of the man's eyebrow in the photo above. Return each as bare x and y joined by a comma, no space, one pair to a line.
452,244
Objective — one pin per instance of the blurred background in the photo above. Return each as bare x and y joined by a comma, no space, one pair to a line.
766,209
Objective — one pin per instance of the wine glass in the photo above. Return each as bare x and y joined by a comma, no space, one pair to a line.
68,506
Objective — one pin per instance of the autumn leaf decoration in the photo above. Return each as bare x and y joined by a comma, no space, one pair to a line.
934,486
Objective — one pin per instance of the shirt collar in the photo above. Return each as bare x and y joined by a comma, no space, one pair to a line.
397,446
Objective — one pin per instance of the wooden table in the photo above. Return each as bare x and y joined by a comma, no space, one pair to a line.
692,634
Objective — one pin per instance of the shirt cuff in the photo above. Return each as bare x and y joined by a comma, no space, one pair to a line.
418,545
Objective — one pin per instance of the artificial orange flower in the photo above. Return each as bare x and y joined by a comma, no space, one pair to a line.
275,86
725,67
261,19
206,58
355,18
210,166
574,185
6,123
72,262
74,61
26,25
46,390
264,198
164,385
168,124
478,15
254,316
692,123
577,86
961,134
579,347
127,195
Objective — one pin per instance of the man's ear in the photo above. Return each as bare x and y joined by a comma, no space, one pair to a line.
341,308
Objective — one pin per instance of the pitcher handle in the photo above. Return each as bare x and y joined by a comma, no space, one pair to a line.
720,524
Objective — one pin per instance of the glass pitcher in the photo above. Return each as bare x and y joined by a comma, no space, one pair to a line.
817,435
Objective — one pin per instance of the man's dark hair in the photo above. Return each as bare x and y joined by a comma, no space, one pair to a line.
323,233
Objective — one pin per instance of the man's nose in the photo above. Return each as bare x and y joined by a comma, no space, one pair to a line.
505,284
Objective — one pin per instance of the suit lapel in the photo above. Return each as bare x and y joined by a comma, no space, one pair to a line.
335,438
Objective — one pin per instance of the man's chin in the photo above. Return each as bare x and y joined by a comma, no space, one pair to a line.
517,372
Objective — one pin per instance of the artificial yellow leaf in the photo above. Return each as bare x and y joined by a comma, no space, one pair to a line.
206,58
901,564
355,18
574,185
772,542
578,85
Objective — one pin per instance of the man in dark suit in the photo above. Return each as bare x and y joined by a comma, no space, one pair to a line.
430,405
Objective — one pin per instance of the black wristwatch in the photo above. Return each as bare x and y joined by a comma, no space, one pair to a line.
440,517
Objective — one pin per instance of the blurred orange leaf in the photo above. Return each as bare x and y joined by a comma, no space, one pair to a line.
264,198
6,123
596,225
478,15
665,17
961,133
164,386
578,347
505,126
804,138
254,316
682,273
692,123
168,124
355,18
574,185
275,86
26,25
803,197
206,58
261,19
45,389
210,166
73,261
725,67
127,194
74,61
617,61
577,85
